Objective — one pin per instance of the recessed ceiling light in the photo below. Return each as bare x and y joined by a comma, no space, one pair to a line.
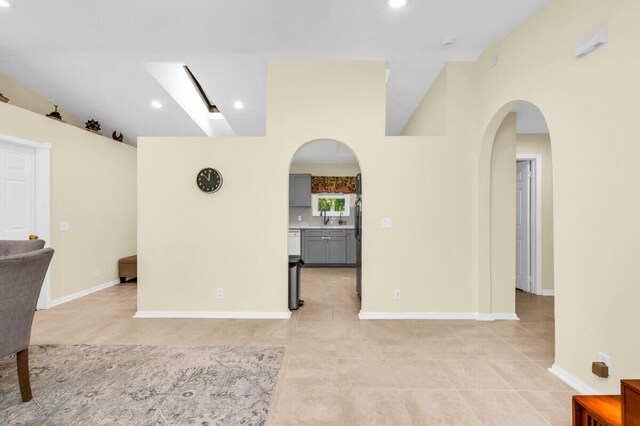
238,105
5,3
155,104
216,116
397,3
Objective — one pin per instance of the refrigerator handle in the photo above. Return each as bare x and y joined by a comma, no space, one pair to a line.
358,218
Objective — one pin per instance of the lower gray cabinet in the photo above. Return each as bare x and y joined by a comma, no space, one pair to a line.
325,247
314,250
336,250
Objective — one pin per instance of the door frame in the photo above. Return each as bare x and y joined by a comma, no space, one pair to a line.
536,220
43,202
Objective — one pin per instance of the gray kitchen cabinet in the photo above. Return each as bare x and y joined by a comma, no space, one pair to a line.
324,247
314,250
337,250
351,247
300,190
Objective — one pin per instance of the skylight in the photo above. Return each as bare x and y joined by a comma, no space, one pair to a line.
207,103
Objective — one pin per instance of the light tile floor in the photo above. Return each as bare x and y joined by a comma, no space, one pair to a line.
339,370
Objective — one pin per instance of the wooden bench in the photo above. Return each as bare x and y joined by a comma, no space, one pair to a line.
609,410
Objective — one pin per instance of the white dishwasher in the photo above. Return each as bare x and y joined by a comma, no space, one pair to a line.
294,242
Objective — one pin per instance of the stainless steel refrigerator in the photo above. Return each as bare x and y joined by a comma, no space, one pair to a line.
358,233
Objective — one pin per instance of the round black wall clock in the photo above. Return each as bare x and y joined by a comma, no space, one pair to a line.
209,180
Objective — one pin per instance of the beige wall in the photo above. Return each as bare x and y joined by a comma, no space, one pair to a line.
23,97
503,212
590,105
540,144
93,186
181,266
430,118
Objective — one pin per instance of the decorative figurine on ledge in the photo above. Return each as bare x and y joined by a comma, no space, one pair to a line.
118,138
3,99
55,114
92,126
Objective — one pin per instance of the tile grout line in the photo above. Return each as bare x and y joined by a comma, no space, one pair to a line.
464,400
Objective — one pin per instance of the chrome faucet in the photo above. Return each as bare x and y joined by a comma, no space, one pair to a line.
341,221
323,213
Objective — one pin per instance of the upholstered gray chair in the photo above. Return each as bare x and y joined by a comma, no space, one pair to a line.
23,266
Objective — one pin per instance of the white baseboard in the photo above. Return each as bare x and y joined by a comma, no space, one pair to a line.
572,381
416,315
82,293
435,316
548,292
484,317
213,314
506,316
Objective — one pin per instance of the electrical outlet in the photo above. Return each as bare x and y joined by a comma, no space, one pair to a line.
220,293
299,218
606,359
97,273
396,294
386,223
64,226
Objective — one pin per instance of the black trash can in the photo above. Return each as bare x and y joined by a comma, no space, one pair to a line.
295,262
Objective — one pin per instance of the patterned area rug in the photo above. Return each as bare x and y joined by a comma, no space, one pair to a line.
142,385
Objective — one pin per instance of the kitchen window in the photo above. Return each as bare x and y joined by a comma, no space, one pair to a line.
332,204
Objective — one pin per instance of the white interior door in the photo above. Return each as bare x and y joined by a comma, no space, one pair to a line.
17,191
523,225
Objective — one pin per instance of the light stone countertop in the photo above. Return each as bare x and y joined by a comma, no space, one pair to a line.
307,226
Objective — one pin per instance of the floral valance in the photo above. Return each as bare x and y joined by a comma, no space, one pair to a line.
333,184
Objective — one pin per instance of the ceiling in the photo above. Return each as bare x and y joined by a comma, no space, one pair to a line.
529,119
90,57
325,152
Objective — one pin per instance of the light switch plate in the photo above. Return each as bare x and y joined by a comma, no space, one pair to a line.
386,223
64,226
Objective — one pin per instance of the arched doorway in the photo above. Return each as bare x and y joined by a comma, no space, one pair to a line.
324,229
516,248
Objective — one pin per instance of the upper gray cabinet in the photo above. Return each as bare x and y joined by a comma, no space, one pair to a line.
300,190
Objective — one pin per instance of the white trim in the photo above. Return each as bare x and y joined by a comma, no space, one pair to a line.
417,315
505,316
24,142
43,203
484,317
82,293
213,314
536,208
43,215
435,316
548,292
572,380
